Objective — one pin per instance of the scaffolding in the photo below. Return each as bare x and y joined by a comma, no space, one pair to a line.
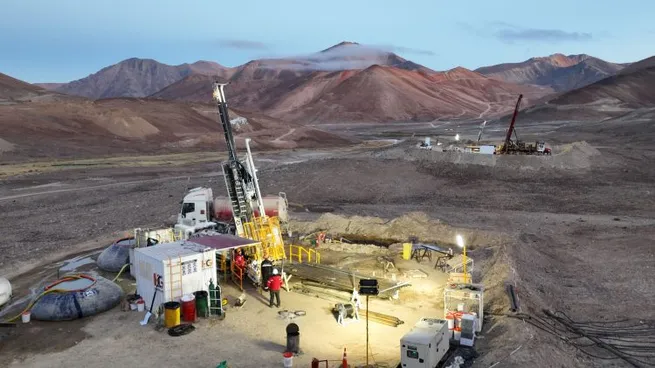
267,231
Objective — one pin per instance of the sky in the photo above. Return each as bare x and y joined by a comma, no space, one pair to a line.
64,40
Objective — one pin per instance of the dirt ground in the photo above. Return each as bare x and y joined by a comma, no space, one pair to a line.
572,240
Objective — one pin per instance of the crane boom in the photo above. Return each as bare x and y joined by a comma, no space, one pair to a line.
511,125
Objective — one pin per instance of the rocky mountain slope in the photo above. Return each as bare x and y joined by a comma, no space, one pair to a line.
350,82
557,71
35,123
14,89
137,78
630,92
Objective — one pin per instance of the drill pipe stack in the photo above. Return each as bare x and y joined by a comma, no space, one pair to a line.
381,318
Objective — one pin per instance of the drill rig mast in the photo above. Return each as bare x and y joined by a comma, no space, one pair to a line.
244,194
239,178
508,138
517,147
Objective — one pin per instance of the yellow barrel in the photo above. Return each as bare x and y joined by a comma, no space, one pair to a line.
171,314
407,251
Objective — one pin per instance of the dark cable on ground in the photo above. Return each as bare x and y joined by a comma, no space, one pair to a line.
610,340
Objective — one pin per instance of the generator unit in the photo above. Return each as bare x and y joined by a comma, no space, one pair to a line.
467,337
425,345
170,270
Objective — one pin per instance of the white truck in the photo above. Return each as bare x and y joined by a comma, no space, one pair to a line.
201,211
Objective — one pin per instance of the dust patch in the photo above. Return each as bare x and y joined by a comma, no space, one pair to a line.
6,146
416,224
123,125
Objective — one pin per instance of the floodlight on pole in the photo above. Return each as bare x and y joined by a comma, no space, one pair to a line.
460,243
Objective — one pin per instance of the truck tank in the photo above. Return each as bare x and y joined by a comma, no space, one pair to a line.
273,205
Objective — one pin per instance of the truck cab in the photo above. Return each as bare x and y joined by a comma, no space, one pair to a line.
195,213
542,149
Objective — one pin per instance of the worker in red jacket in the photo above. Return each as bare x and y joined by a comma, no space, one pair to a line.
240,260
274,284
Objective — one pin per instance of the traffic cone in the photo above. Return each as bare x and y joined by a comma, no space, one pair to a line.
344,363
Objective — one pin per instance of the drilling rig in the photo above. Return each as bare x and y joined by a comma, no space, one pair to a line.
243,190
255,217
517,147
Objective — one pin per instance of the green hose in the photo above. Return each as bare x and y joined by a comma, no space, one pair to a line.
120,272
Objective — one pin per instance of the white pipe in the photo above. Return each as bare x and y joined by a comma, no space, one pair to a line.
260,200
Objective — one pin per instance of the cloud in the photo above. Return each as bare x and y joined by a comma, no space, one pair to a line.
511,33
243,44
342,57
536,34
404,50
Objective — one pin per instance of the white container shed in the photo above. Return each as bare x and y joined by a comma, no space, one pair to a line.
172,270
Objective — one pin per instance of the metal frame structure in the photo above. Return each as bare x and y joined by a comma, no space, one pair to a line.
462,292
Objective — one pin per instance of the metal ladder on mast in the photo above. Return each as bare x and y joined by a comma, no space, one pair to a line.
233,170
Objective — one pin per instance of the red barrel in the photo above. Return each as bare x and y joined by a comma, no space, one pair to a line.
188,308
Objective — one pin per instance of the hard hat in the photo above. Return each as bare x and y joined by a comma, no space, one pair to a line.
275,271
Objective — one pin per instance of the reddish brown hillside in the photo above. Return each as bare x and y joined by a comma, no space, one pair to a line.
12,88
390,94
67,126
378,93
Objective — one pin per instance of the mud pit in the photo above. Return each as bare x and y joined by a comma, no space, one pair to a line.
564,237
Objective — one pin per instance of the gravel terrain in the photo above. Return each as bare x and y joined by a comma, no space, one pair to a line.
574,238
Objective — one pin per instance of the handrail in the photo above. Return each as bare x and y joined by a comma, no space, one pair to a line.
237,272
300,250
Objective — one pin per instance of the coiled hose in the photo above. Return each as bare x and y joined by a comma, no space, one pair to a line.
50,289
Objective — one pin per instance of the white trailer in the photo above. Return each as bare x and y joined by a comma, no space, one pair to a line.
172,270
426,344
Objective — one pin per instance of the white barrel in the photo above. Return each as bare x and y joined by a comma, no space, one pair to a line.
450,317
288,360
5,290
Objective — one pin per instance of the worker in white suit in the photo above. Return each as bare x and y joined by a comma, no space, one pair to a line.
355,300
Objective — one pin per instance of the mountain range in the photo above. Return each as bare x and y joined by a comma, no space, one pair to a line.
134,78
617,95
39,124
329,85
559,72
122,106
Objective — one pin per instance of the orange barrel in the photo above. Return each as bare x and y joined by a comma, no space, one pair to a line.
171,314
458,333
188,308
